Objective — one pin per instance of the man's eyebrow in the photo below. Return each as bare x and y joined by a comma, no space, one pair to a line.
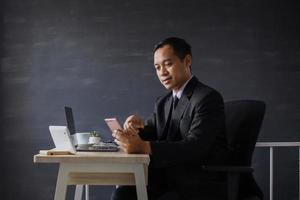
166,60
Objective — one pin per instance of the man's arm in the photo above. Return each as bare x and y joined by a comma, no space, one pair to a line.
149,132
206,125
135,137
130,141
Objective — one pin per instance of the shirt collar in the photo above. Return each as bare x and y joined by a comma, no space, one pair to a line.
180,91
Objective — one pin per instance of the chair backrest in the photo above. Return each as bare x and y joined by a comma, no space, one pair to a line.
243,123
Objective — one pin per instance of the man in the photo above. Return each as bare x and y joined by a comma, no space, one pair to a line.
185,131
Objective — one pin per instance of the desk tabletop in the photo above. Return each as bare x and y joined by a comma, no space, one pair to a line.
94,157
278,144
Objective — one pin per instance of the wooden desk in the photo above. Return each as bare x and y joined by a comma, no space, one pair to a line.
99,168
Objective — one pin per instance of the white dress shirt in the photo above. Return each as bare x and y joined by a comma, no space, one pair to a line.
179,92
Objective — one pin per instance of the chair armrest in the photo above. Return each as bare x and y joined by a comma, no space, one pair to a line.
228,168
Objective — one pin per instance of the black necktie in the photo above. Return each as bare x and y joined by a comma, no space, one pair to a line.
168,129
175,101
172,134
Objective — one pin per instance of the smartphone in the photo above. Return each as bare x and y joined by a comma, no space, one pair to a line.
113,124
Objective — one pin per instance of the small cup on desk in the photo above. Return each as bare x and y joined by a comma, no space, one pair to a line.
82,138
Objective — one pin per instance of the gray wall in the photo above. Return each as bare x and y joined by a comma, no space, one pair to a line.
96,56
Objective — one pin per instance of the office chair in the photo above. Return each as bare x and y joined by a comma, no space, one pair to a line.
243,123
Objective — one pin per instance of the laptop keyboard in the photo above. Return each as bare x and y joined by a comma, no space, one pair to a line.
107,146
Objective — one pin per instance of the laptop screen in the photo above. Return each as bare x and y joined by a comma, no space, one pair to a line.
70,120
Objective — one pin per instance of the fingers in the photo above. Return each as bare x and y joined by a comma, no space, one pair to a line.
126,125
121,144
121,139
120,135
139,124
135,121
131,130
128,120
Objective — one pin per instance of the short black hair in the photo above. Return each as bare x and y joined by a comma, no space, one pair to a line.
180,46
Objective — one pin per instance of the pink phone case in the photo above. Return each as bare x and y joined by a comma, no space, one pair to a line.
113,124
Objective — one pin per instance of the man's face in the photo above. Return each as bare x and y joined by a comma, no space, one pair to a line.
171,71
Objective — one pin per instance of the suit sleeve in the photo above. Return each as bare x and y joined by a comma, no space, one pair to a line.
149,132
206,124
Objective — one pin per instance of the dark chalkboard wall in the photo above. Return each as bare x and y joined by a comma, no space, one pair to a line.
96,56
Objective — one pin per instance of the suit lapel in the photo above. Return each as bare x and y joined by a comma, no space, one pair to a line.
178,112
167,110
168,107
183,102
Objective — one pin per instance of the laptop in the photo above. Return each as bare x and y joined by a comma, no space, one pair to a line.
102,147
61,138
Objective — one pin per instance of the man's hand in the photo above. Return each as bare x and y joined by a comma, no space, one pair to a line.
134,121
130,141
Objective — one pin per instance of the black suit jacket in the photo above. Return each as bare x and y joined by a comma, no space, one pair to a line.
199,120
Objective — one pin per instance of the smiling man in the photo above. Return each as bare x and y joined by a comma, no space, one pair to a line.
185,131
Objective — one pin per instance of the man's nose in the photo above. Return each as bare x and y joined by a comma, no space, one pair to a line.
164,71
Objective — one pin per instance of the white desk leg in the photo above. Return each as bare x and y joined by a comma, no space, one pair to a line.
140,182
78,192
271,173
61,184
299,173
87,192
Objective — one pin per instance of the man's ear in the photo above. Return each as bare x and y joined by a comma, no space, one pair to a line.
188,60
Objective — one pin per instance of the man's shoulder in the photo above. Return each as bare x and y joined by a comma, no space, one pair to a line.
204,90
164,97
204,95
